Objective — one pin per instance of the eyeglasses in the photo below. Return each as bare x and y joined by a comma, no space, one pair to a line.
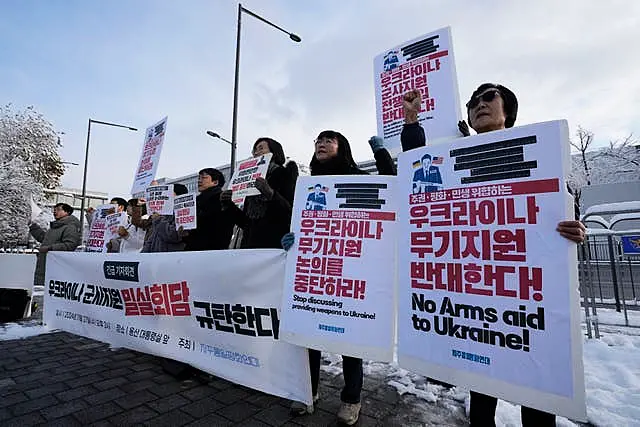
325,141
486,97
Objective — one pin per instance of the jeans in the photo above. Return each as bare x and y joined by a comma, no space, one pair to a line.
352,371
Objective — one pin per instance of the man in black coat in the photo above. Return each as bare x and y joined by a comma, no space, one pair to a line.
214,226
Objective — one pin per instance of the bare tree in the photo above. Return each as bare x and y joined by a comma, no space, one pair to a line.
585,139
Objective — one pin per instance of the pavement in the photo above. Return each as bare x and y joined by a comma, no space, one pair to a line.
60,379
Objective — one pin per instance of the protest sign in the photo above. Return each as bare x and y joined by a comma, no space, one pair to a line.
184,210
98,237
487,295
426,64
244,177
144,303
340,280
150,156
160,199
113,223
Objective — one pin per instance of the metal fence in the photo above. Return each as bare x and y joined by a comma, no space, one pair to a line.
609,272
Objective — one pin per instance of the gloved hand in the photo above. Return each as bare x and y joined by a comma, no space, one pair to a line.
463,127
288,240
263,187
376,144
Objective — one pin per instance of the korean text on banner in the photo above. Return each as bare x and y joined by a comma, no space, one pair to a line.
184,208
340,280
190,314
426,64
98,238
150,156
160,199
113,223
487,294
244,177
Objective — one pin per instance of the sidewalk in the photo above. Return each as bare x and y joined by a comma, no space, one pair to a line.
60,379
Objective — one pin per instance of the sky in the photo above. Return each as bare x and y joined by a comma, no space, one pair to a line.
135,61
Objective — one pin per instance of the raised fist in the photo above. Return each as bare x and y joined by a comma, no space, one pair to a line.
411,102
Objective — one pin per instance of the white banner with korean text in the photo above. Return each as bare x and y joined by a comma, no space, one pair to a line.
488,295
340,282
190,314
426,64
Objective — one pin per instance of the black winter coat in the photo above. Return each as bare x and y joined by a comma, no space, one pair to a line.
266,230
214,226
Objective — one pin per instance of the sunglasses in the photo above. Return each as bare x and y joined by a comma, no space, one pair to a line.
486,97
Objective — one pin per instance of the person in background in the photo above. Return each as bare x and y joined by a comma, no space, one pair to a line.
491,107
63,235
130,237
163,235
214,226
266,218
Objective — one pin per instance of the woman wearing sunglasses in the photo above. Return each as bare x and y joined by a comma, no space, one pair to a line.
491,107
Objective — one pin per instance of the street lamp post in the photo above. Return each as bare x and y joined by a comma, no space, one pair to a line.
234,128
86,163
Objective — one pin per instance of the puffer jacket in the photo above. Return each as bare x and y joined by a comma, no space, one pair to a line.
63,235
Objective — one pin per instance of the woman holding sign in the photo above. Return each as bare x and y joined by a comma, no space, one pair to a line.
333,157
491,107
265,218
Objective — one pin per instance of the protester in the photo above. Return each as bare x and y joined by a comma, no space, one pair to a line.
130,237
266,218
491,107
333,157
214,226
164,236
63,235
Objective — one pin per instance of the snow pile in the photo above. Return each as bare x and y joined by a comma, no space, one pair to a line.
612,377
15,331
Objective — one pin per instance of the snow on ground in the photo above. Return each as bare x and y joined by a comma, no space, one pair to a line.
14,331
608,316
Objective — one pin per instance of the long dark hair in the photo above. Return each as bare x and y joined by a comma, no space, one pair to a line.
275,147
343,161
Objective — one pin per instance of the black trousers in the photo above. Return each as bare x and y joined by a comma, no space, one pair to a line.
482,413
352,371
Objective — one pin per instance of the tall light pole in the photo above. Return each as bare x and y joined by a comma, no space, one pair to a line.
86,163
213,134
234,128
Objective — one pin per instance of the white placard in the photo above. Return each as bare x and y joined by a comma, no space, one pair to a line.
98,235
150,156
339,291
160,199
184,210
244,177
425,63
488,293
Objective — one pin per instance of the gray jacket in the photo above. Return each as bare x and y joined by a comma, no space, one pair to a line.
63,235
163,236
